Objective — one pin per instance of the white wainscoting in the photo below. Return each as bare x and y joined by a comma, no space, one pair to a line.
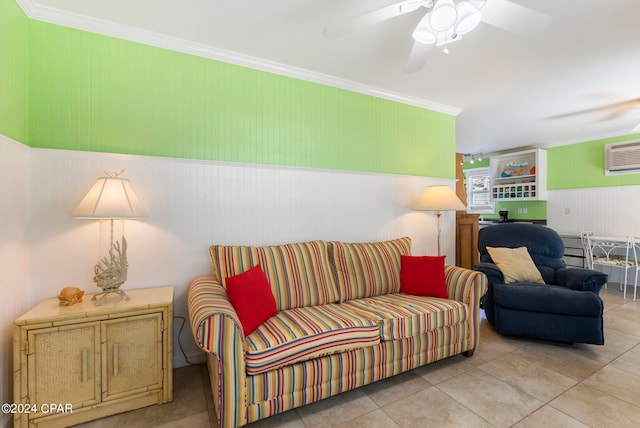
194,204
609,211
602,210
14,256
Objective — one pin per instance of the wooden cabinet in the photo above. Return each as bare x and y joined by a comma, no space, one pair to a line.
519,176
466,240
82,362
466,225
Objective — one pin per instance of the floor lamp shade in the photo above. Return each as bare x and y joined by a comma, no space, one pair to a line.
438,199
110,198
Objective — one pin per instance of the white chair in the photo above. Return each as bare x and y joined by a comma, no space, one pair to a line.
608,252
586,246
636,254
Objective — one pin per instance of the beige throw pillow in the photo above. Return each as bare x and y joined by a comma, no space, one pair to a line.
516,264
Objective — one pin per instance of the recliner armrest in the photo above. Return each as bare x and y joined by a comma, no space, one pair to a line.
581,279
494,274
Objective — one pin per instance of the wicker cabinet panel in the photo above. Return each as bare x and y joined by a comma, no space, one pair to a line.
133,351
99,360
64,362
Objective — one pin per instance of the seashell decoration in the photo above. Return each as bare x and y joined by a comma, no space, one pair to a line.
70,295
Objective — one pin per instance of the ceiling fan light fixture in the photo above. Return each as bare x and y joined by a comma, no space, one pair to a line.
446,37
443,16
447,22
424,33
468,17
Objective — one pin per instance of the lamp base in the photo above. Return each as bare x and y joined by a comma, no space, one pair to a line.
439,221
111,273
101,298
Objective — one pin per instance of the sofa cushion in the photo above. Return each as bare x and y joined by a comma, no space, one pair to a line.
368,269
301,334
299,274
423,276
401,315
251,297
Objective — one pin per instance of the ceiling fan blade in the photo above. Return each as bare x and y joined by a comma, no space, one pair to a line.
622,109
614,110
610,111
371,18
513,17
578,112
417,57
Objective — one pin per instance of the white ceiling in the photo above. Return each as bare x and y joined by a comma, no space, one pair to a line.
508,87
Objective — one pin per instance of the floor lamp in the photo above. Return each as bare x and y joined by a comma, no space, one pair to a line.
110,198
438,199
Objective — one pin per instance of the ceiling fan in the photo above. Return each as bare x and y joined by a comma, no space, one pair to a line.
610,111
447,21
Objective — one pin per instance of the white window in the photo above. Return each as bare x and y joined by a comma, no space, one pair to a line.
478,183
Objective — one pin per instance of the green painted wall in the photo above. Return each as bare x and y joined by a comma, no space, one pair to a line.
95,93
536,210
477,164
13,71
582,165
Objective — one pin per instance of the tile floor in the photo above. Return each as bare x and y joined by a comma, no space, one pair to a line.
508,382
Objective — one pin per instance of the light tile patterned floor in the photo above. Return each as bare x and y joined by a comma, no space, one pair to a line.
508,382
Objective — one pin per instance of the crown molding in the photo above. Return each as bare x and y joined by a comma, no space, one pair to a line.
38,12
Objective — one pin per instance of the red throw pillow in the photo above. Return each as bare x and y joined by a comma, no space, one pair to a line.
252,298
423,276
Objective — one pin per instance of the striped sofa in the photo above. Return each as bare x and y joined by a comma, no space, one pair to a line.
342,323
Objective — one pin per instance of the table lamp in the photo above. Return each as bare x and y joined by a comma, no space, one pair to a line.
111,197
438,199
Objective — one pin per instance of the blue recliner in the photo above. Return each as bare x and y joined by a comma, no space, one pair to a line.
566,309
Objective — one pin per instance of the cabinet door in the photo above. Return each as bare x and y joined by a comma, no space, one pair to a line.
63,365
466,240
132,355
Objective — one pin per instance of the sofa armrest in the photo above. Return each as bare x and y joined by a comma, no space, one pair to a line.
581,279
467,286
217,330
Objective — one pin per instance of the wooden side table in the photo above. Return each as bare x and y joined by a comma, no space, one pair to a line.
77,363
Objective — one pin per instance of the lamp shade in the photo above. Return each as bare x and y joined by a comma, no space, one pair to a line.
444,15
439,198
424,33
110,198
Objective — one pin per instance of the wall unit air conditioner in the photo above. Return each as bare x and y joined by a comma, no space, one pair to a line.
622,158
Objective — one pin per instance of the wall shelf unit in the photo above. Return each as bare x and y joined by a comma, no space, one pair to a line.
519,176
